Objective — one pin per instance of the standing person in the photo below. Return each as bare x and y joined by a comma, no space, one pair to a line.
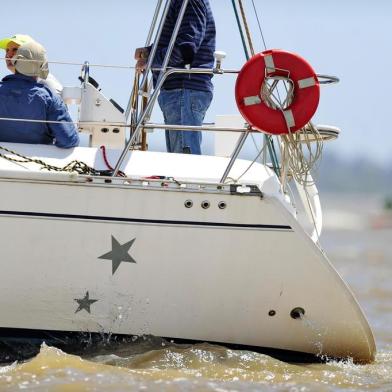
23,97
185,98
11,45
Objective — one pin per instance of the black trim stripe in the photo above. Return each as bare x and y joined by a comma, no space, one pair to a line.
145,221
18,344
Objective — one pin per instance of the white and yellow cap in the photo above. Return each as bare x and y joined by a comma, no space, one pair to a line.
30,60
19,39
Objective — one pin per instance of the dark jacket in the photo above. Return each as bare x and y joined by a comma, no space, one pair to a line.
195,44
22,97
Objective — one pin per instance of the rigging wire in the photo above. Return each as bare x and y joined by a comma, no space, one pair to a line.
244,25
248,55
297,150
259,24
245,47
247,31
250,165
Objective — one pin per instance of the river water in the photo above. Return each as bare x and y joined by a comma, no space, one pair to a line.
358,240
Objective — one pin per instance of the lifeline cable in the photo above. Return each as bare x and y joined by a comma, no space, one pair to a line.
259,24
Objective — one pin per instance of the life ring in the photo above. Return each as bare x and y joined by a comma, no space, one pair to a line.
289,66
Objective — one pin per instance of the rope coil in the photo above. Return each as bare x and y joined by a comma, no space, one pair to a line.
74,166
300,151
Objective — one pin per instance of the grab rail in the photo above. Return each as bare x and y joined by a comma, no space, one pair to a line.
149,106
154,46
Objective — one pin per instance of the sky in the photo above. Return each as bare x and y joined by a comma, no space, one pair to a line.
346,38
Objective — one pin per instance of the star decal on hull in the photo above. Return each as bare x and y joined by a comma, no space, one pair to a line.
85,303
119,254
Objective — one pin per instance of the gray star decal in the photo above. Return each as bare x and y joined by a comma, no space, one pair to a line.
85,303
119,254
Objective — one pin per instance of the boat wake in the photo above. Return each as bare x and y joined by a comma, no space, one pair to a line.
168,367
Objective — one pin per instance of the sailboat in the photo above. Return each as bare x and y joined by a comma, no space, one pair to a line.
190,248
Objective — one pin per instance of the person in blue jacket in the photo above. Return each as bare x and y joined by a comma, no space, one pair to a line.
11,45
185,98
22,97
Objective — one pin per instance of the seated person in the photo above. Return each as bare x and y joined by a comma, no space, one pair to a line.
11,45
23,97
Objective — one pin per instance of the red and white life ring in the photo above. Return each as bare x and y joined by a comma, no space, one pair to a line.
255,110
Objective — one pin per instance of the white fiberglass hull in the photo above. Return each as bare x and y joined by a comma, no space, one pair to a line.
132,259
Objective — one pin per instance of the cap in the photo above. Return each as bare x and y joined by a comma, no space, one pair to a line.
30,60
19,39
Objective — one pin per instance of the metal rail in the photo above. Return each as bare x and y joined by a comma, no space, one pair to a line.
149,106
162,76
154,46
238,148
196,128
327,79
154,22
248,49
140,123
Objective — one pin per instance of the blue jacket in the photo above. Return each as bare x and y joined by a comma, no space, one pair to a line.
22,97
195,44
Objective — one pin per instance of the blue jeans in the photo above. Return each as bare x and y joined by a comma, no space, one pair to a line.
184,107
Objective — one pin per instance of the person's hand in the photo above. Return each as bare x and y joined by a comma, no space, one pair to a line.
141,65
142,53
141,57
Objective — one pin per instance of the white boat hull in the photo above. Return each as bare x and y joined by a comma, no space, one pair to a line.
133,260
